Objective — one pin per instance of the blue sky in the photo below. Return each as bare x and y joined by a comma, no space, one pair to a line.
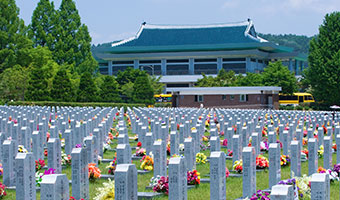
110,20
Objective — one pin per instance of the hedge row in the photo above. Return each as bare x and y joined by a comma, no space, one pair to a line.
73,104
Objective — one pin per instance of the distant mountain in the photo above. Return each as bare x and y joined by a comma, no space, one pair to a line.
300,43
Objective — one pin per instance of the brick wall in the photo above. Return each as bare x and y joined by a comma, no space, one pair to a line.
254,101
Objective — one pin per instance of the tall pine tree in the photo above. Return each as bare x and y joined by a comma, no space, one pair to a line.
73,41
109,90
323,73
87,89
142,90
43,23
61,87
14,45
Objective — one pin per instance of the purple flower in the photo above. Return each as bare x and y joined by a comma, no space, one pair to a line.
78,145
49,171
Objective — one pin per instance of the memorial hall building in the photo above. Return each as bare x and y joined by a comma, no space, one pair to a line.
181,53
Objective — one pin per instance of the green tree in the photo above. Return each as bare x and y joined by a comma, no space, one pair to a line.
143,91
157,86
127,92
226,78
73,45
43,24
251,79
128,75
109,91
14,45
276,74
87,89
42,70
62,89
324,61
207,81
13,83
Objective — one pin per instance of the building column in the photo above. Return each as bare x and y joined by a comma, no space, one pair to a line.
163,67
257,69
191,66
109,66
219,64
249,68
136,64
290,66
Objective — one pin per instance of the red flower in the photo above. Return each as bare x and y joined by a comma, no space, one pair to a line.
139,144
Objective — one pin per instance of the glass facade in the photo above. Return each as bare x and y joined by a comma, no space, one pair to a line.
238,68
178,69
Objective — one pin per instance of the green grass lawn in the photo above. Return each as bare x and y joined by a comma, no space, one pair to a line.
202,192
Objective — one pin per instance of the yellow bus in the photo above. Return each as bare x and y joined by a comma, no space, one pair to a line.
296,98
163,98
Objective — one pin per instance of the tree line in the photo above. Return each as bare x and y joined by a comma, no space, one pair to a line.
51,59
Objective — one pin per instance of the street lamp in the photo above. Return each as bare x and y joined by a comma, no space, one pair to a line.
152,68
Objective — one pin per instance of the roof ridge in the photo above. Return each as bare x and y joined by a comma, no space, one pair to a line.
217,25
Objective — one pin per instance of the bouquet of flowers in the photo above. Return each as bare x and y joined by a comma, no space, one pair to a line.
305,151
65,159
1,170
154,181
112,167
238,166
227,173
21,149
38,178
261,162
201,158
320,151
140,152
193,178
304,141
139,144
204,147
334,147
107,191
45,152
146,163
94,172
39,164
285,160
205,138
162,185
264,145
225,142
72,198
181,148
260,195
321,170
2,190
230,153
301,186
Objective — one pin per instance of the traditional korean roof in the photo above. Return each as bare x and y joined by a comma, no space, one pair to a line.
225,90
212,37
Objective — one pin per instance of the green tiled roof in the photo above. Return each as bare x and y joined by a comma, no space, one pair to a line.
153,38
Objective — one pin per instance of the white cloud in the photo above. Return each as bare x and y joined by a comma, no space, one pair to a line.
231,4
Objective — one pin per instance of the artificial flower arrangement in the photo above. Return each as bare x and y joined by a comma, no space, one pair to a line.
193,178
230,153
162,185
261,162
146,163
260,195
284,160
181,148
264,146
140,152
2,190
238,166
334,147
304,141
139,144
227,173
304,153
107,146
204,147
38,175
301,186
39,164
21,149
112,167
72,198
94,172
201,158
205,138
135,138
110,136
62,142
65,159
225,143
321,170
1,170
320,151
333,173
168,148
106,192
45,152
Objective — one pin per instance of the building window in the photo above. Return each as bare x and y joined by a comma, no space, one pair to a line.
232,97
243,97
238,68
177,69
198,98
224,97
206,68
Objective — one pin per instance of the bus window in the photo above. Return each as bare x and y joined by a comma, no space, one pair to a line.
300,99
308,98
